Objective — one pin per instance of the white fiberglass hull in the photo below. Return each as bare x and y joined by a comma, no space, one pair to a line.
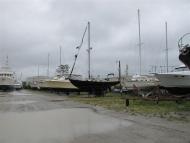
175,82
6,83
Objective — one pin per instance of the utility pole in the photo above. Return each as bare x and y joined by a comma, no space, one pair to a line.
166,46
139,41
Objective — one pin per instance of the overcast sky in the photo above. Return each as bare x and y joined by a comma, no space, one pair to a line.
30,29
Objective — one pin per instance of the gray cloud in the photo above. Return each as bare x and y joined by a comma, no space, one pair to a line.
29,30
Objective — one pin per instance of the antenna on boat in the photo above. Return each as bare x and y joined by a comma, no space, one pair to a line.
88,50
140,43
166,46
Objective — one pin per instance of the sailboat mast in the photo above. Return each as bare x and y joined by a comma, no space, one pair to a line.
60,55
139,41
120,78
119,71
38,72
166,46
7,61
89,48
48,65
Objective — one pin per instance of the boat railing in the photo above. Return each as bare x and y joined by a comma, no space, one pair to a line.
181,43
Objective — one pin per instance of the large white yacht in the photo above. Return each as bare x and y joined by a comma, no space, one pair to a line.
7,77
177,81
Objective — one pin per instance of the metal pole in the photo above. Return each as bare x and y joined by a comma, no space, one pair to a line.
48,65
7,61
127,68
120,77
139,41
166,46
38,70
21,76
38,73
119,71
155,69
89,48
60,55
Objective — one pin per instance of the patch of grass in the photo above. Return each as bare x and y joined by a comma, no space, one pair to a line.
113,101
161,107
109,102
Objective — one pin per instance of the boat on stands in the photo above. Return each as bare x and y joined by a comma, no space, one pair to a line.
58,83
91,85
177,81
140,81
94,86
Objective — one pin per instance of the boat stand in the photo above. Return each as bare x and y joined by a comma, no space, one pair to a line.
156,94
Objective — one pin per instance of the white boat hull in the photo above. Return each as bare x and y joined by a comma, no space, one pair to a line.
57,84
6,83
173,80
175,83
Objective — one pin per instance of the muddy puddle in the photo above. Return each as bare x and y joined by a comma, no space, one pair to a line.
54,126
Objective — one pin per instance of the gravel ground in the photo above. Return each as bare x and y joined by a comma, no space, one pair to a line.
39,117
